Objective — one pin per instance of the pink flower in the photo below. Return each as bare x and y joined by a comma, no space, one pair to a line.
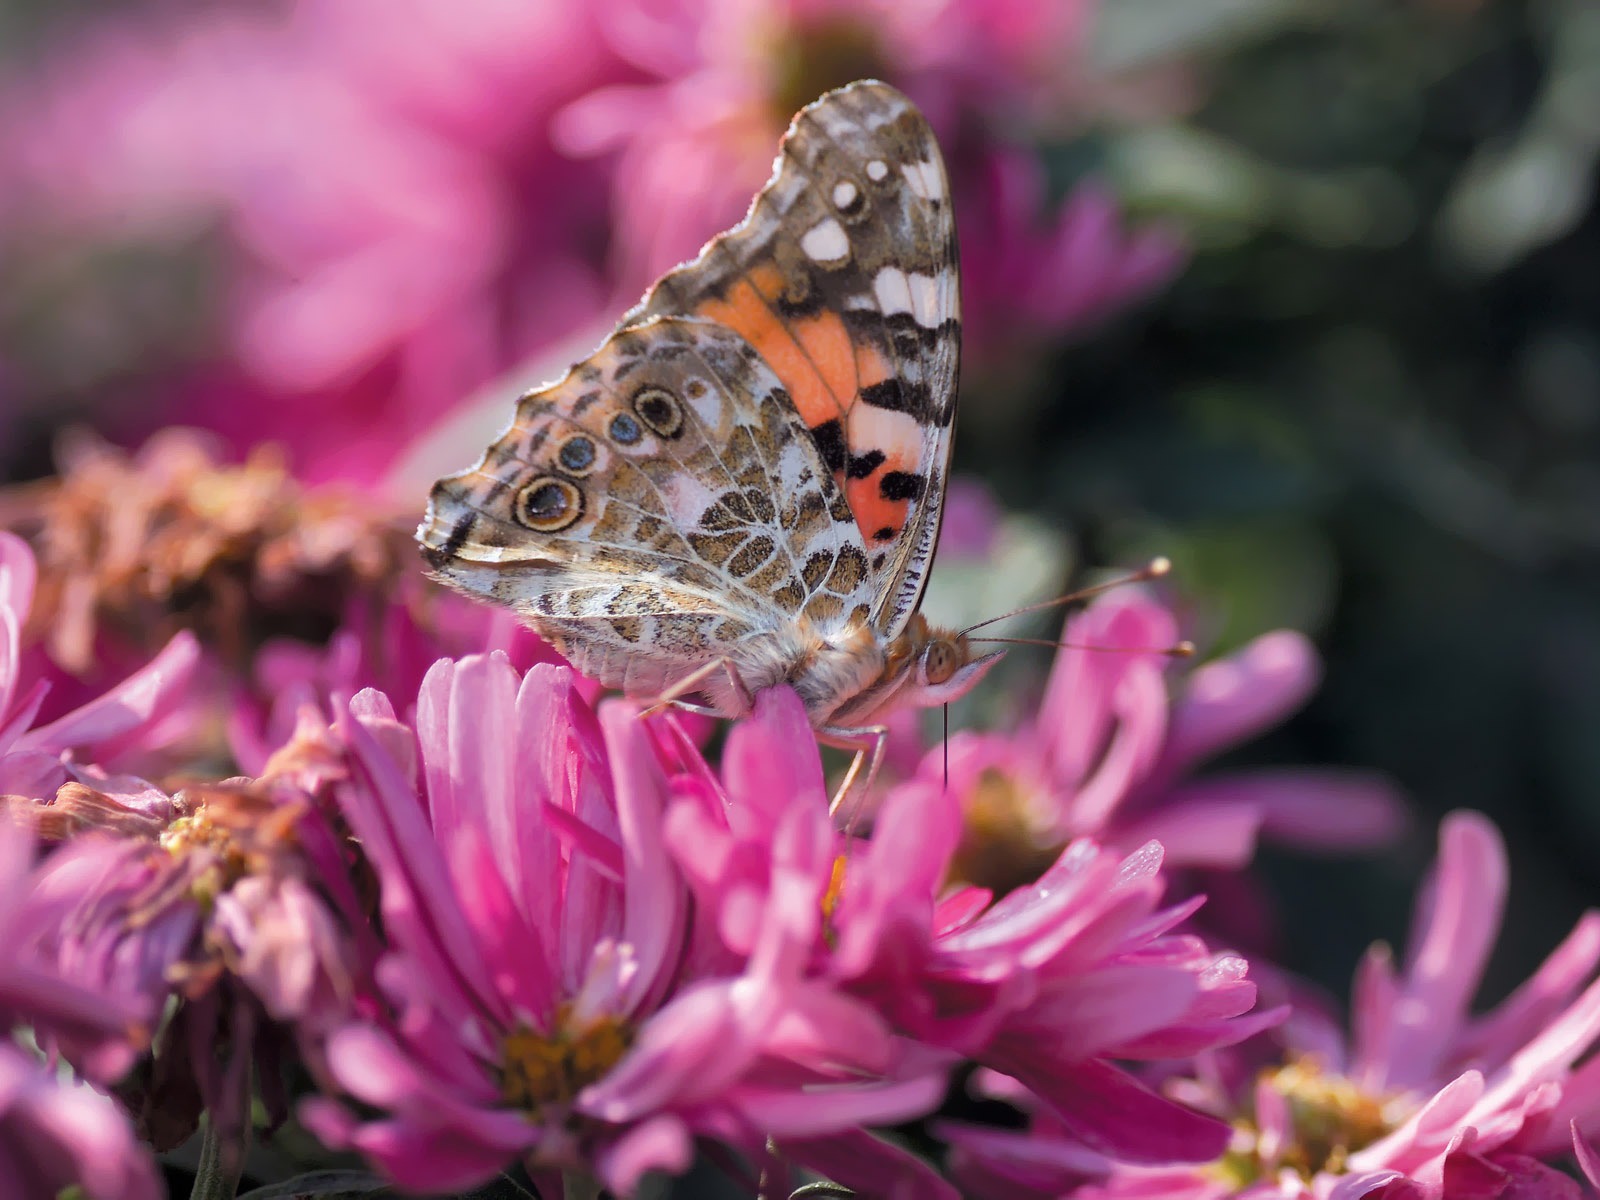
392,226
549,994
148,710
695,146
1058,982
222,918
1034,273
1421,1101
54,1135
1107,755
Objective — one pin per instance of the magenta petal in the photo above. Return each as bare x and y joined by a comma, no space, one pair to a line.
122,715
771,758
692,1048
655,919
443,1159
659,1144
1588,1160
1228,701
1114,1113
870,1166
1457,928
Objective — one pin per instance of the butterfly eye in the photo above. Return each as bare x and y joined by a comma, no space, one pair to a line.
625,430
939,662
576,455
659,409
549,505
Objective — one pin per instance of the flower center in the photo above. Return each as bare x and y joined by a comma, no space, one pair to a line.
200,840
1000,847
1329,1119
537,1069
818,57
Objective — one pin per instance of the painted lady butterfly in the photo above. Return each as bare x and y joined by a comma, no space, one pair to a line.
742,486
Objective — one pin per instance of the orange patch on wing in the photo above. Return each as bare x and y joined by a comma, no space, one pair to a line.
827,344
871,366
873,513
787,349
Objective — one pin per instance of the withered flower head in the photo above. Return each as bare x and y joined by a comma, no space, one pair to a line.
235,899
140,545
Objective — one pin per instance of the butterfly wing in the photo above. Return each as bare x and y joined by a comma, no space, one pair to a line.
844,278
659,507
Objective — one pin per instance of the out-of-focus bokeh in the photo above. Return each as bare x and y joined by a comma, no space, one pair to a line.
1304,294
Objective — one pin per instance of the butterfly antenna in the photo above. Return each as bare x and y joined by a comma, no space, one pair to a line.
1183,649
1154,569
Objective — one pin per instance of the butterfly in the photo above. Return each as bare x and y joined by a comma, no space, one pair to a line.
742,486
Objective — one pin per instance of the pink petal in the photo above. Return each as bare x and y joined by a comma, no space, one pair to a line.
1227,702
659,1144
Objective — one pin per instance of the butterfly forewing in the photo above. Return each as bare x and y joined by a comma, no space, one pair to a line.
844,278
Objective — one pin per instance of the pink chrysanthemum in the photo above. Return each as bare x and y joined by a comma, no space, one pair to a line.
548,995
1058,982
1421,1101
1114,738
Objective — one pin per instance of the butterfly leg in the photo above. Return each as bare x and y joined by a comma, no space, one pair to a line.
869,743
690,682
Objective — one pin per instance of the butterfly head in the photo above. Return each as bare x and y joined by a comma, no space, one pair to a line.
927,666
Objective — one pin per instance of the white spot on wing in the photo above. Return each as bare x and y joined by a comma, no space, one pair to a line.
923,178
894,293
877,170
844,194
825,242
927,300
920,295
897,434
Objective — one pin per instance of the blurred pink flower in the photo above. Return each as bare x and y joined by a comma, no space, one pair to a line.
221,915
397,226
1107,755
1420,1101
59,1138
695,146
98,1032
549,995
148,710
1057,982
1031,272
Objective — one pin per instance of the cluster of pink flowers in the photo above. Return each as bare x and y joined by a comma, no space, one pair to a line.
487,925
399,208
411,886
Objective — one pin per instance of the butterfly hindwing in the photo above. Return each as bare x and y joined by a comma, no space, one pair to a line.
657,507
844,278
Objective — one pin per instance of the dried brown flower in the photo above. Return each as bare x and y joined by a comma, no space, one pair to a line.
140,545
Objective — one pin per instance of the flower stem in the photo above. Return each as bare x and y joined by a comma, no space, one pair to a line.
221,1166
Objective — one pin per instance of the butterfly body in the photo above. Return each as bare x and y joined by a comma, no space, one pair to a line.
742,486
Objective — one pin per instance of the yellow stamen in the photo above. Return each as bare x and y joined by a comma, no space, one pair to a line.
1330,1118
539,1070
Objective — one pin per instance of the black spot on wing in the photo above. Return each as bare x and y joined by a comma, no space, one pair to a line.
437,556
901,485
829,437
886,534
899,395
862,465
